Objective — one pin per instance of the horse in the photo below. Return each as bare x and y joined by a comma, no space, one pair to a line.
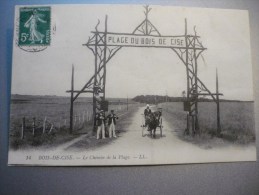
152,121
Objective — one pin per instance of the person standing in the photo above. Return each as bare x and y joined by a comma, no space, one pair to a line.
112,117
100,121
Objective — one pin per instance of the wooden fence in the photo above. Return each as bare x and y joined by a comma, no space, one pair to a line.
46,125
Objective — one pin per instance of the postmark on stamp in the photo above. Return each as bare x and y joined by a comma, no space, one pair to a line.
34,28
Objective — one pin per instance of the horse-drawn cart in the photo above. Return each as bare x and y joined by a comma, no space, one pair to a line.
152,122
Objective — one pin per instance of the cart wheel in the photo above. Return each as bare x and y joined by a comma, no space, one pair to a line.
161,127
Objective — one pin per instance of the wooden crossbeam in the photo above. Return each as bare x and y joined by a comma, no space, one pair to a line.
78,91
206,94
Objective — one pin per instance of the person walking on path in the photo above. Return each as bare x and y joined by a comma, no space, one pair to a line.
112,117
100,121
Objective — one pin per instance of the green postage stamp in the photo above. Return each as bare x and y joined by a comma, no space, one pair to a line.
34,26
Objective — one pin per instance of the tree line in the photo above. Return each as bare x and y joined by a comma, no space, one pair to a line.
156,99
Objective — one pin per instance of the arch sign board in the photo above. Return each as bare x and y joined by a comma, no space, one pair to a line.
130,40
102,85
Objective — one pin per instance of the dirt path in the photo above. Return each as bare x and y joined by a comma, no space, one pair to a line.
169,148
72,143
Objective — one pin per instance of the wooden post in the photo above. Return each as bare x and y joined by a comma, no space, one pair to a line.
218,108
72,102
75,121
95,75
146,20
44,125
23,128
186,64
59,125
83,118
197,127
104,56
51,128
193,126
187,124
33,126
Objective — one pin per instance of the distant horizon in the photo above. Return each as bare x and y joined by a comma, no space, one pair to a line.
133,97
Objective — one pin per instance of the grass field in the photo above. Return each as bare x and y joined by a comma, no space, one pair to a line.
56,112
237,119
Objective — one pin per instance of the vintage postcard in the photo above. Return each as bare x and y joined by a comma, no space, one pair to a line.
99,85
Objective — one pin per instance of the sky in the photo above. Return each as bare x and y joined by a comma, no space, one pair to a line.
137,71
